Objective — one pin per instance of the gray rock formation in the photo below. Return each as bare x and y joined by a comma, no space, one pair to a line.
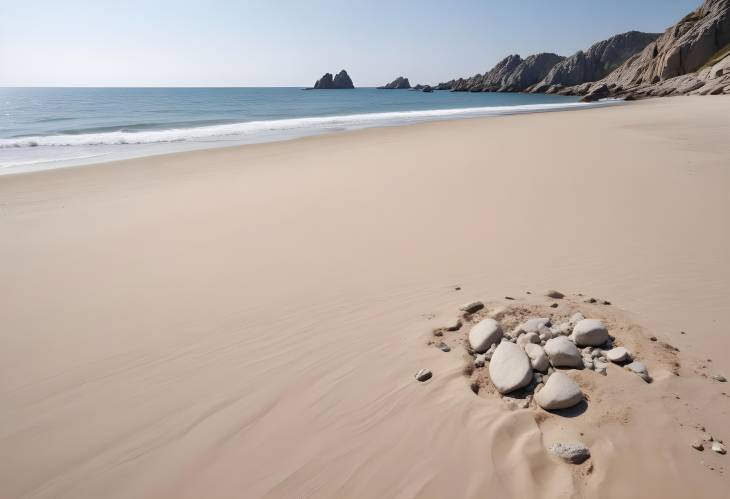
328,82
399,83
343,80
530,71
596,62
511,74
492,80
691,57
598,93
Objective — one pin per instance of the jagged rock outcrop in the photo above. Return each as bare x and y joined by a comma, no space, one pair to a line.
596,62
399,83
327,82
492,80
530,71
511,74
691,57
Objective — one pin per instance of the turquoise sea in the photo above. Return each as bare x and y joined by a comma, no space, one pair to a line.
53,127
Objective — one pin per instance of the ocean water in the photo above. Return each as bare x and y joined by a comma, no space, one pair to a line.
44,128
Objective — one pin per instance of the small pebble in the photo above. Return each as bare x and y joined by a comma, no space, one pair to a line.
444,347
480,360
554,305
472,307
574,453
423,375
697,444
454,326
653,338
606,302
557,295
720,378
718,447
508,298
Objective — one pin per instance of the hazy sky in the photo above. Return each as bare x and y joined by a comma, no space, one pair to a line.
293,42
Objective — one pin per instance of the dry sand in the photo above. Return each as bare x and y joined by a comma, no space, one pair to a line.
246,322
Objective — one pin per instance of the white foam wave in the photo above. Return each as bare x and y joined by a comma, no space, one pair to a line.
292,125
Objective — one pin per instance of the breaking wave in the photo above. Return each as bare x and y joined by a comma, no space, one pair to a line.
286,126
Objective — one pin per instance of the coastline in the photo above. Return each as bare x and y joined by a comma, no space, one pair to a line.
115,146
249,318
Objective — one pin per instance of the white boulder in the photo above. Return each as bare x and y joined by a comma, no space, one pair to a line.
510,368
538,357
575,318
563,353
524,339
533,325
560,392
618,355
590,333
485,334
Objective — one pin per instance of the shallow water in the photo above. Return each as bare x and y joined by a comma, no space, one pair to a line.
50,127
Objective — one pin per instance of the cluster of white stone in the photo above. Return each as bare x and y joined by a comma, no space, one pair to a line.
528,356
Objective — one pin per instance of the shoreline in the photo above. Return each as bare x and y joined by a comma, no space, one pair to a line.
165,317
335,124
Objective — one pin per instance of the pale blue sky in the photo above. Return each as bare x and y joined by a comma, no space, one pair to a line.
287,42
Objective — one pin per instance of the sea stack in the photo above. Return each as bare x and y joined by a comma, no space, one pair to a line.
328,82
399,83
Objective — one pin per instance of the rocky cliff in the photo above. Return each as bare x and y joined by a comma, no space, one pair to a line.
492,80
511,74
691,57
530,71
328,82
596,62
397,84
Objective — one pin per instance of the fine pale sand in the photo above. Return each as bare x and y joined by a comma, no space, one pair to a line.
246,322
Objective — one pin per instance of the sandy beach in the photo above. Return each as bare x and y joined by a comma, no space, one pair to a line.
246,322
